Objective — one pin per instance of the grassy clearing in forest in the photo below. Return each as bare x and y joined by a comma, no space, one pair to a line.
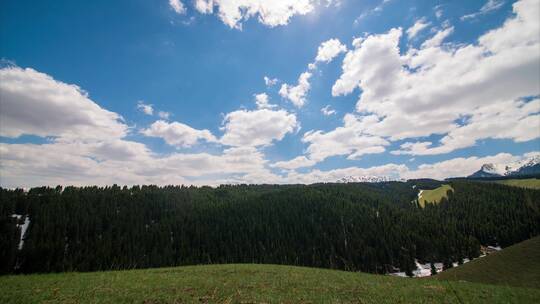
531,183
433,196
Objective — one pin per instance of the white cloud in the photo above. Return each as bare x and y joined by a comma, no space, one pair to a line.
147,109
438,11
35,103
270,13
178,134
116,150
456,167
379,8
516,120
89,146
459,167
489,6
164,115
125,163
465,93
329,49
130,163
297,94
327,111
417,27
270,81
347,140
295,163
326,52
382,50
262,101
177,6
428,91
438,38
257,128
330,176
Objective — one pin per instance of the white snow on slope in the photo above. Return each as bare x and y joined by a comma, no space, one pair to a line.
23,227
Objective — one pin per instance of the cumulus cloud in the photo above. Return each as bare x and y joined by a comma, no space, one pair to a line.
164,115
89,145
326,52
438,38
34,103
347,140
417,27
382,49
456,167
177,6
262,101
329,49
297,94
270,13
518,120
295,163
147,109
489,6
459,167
430,90
257,128
270,81
178,134
327,111
28,165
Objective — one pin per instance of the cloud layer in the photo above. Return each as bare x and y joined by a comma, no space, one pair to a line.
34,103
430,99
270,13
463,92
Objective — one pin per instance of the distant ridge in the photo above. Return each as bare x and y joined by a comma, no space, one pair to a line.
526,167
365,179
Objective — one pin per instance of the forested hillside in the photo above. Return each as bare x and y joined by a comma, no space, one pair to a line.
366,227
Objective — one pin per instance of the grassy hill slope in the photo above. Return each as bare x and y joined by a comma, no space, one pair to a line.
531,183
434,195
517,265
248,283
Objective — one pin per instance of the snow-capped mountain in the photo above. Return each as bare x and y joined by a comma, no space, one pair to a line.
523,167
364,179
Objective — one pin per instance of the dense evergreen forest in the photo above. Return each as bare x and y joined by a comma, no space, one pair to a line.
356,227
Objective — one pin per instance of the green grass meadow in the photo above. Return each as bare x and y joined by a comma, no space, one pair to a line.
517,265
531,183
249,283
434,196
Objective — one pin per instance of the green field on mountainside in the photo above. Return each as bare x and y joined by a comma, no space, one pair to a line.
531,183
433,196
517,265
248,283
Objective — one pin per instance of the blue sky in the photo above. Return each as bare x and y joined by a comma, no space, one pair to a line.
202,69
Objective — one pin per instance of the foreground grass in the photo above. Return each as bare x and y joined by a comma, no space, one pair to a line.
434,196
247,283
517,265
531,183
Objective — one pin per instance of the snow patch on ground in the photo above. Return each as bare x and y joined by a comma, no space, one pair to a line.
23,227
424,270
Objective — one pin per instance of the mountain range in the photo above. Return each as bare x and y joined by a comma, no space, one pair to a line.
365,179
524,167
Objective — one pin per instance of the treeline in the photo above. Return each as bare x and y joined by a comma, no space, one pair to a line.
356,227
